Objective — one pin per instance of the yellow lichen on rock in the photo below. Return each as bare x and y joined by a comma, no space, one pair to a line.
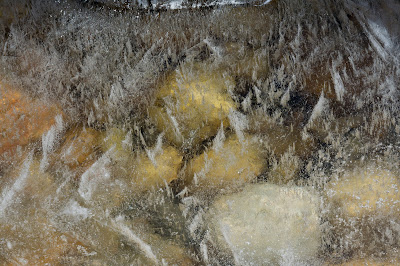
192,103
232,162
366,191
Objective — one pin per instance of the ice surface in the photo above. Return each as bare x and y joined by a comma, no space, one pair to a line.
199,132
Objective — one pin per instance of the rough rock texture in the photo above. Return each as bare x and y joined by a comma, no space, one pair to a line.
267,224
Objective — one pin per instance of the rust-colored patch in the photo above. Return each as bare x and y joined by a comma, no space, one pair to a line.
22,119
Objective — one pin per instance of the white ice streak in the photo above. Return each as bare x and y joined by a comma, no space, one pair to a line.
219,139
97,173
9,193
152,153
174,122
239,122
117,93
50,139
319,108
75,210
225,233
381,34
338,83
128,233
180,4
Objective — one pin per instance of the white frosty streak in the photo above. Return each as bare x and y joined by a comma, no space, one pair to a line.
9,193
49,139
318,108
239,122
339,86
225,233
123,229
96,174
75,210
382,34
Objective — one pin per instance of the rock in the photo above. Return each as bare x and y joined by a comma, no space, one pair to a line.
80,147
143,169
168,251
267,224
229,162
119,140
158,171
22,119
13,11
26,188
120,174
192,103
365,191
41,244
363,212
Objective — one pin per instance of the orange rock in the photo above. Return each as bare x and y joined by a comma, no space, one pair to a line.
22,119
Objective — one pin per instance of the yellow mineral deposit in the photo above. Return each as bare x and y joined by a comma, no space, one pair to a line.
22,119
192,103
366,192
157,172
232,163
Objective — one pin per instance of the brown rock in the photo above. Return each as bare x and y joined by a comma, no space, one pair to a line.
280,138
364,206
247,63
